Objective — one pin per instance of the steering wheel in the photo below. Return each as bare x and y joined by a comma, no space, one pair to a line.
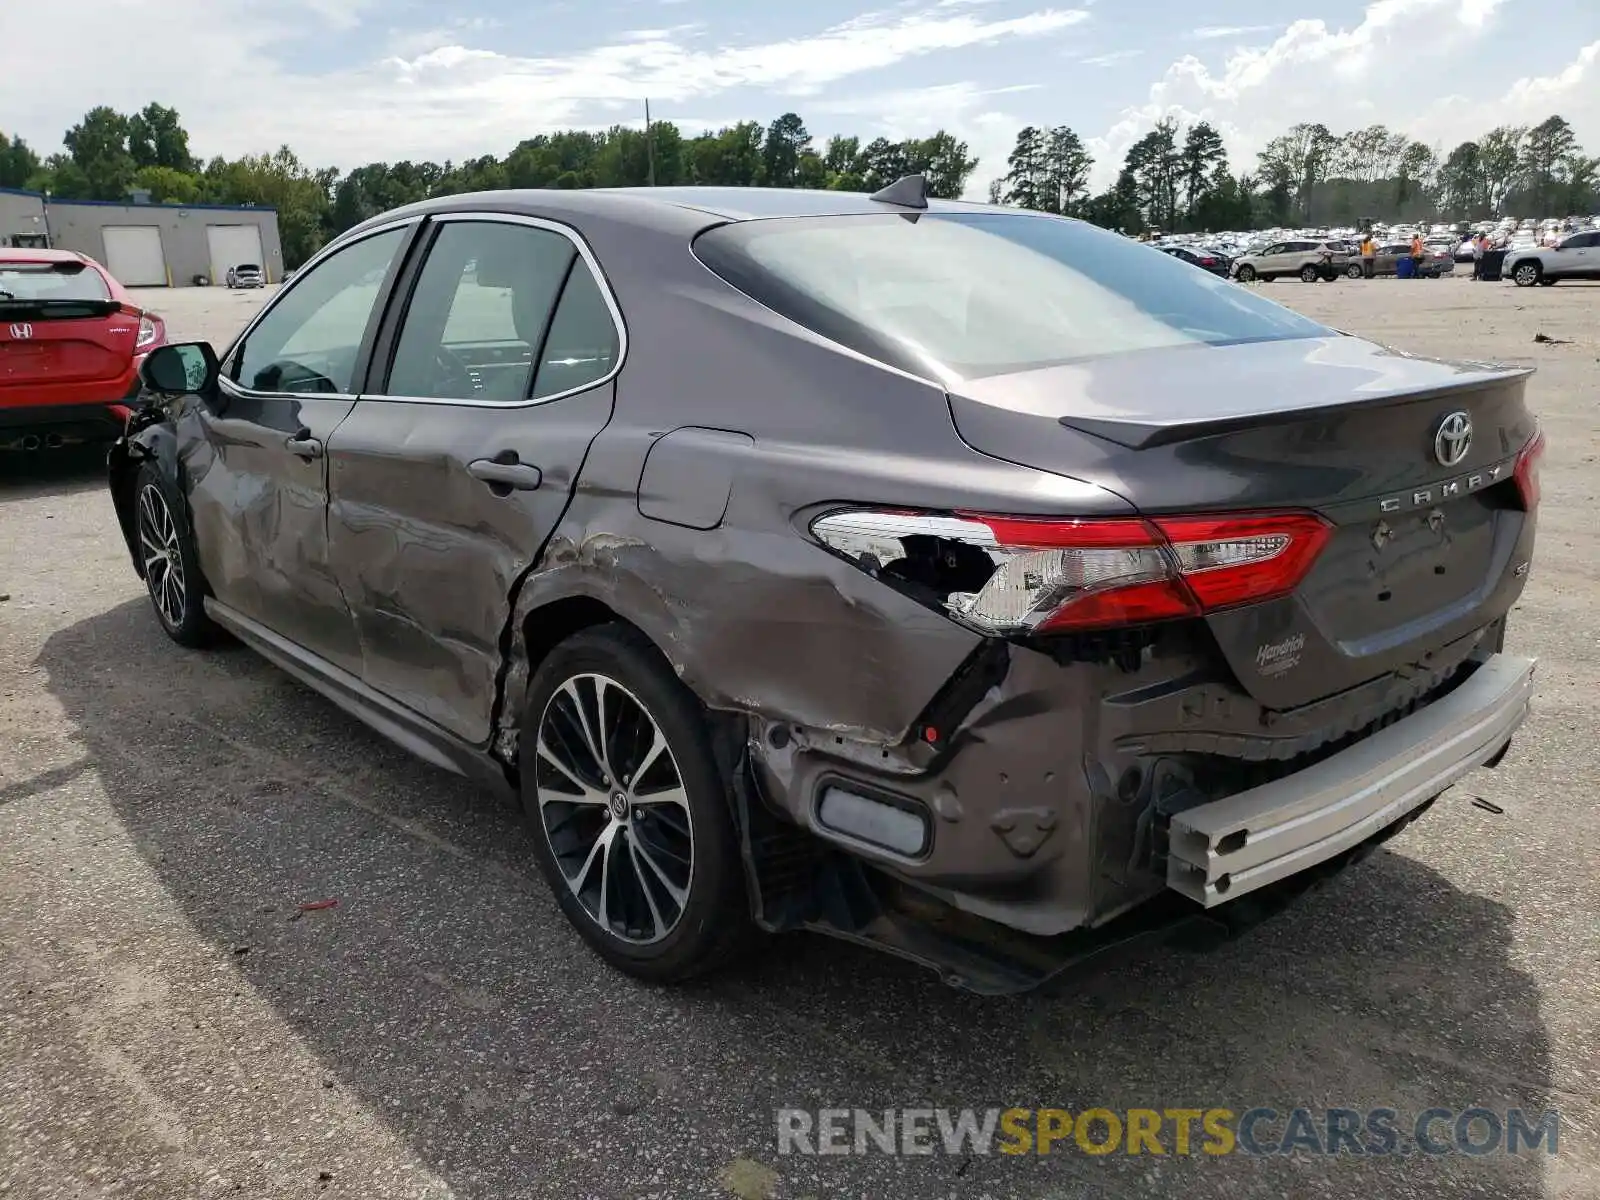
453,377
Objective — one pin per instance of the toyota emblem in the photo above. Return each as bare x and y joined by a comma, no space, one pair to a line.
1453,440
21,332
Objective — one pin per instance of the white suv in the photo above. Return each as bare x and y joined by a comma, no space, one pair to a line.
1576,256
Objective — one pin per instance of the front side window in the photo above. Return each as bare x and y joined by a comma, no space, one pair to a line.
970,295
484,308
310,339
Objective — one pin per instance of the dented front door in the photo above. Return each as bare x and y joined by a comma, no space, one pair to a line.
446,481
255,452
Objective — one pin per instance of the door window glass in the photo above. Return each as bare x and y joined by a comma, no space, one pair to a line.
480,312
582,345
310,339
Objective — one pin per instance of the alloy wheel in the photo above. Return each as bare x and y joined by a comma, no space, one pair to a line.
1527,275
163,557
613,806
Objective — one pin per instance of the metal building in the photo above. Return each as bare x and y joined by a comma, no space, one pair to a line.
152,245
22,220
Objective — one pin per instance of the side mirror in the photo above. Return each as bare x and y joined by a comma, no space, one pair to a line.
180,369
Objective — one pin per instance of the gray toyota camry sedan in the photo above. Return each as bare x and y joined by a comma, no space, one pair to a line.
967,582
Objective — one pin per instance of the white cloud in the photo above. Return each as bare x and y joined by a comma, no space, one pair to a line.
1389,66
444,98
1208,33
1111,59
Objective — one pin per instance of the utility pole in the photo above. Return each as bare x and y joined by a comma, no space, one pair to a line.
650,142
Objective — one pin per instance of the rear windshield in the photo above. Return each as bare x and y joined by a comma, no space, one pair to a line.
969,295
51,281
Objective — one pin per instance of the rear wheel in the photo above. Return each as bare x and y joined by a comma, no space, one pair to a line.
1308,274
1527,274
168,560
630,813
1354,271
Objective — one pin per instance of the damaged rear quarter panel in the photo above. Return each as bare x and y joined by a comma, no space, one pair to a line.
753,614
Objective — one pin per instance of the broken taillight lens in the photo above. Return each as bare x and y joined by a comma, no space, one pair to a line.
1527,472
1014,575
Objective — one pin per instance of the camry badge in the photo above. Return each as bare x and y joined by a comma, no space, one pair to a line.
21,331
1453,439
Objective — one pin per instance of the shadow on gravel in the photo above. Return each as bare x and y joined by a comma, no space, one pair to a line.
446,994
52,472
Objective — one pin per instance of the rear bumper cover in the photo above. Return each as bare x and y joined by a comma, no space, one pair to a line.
1228,848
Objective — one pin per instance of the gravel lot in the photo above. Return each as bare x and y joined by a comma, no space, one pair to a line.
169,1031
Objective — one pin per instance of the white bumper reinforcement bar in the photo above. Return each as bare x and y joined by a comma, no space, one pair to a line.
1222,850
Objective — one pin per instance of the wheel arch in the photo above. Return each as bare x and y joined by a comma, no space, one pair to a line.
147,441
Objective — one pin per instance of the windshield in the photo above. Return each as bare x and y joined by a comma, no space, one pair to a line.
985,294
51,281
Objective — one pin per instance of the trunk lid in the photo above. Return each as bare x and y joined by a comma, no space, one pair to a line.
1426,549
64,341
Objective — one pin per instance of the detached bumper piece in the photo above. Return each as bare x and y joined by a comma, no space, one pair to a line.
1228,848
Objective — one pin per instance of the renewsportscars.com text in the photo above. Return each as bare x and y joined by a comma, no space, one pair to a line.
1165,1131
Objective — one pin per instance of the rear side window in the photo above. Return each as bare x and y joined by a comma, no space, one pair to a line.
969,295
51,281
582,344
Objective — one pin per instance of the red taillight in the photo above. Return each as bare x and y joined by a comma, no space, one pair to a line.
1527,472
1208,262
1048,575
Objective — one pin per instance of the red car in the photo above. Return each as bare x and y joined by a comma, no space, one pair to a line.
71,341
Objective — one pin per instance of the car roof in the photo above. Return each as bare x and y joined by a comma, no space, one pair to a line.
665,207
31,254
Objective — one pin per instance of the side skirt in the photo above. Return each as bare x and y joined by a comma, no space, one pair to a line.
393,721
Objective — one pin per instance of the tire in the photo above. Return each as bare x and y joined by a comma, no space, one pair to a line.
670,868
171,566
1354,271
1308,274
1245,274
1527,274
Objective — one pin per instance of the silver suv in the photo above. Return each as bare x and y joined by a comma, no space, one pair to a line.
1301,257
245,275
1576,256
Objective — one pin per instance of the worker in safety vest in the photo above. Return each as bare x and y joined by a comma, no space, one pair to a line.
1418,255
1369,256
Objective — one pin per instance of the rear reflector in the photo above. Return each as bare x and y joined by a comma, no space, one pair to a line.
873,821
1045,575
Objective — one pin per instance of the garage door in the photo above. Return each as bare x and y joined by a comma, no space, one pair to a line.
233,246
133,255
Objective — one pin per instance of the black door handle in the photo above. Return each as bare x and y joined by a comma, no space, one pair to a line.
304,445
506,476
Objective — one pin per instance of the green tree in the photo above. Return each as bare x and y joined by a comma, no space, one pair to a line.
156,138
1501,160
167,185
1026,181
1548,145
18,163
1203,153
842,159
98,145
942,160
787,140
